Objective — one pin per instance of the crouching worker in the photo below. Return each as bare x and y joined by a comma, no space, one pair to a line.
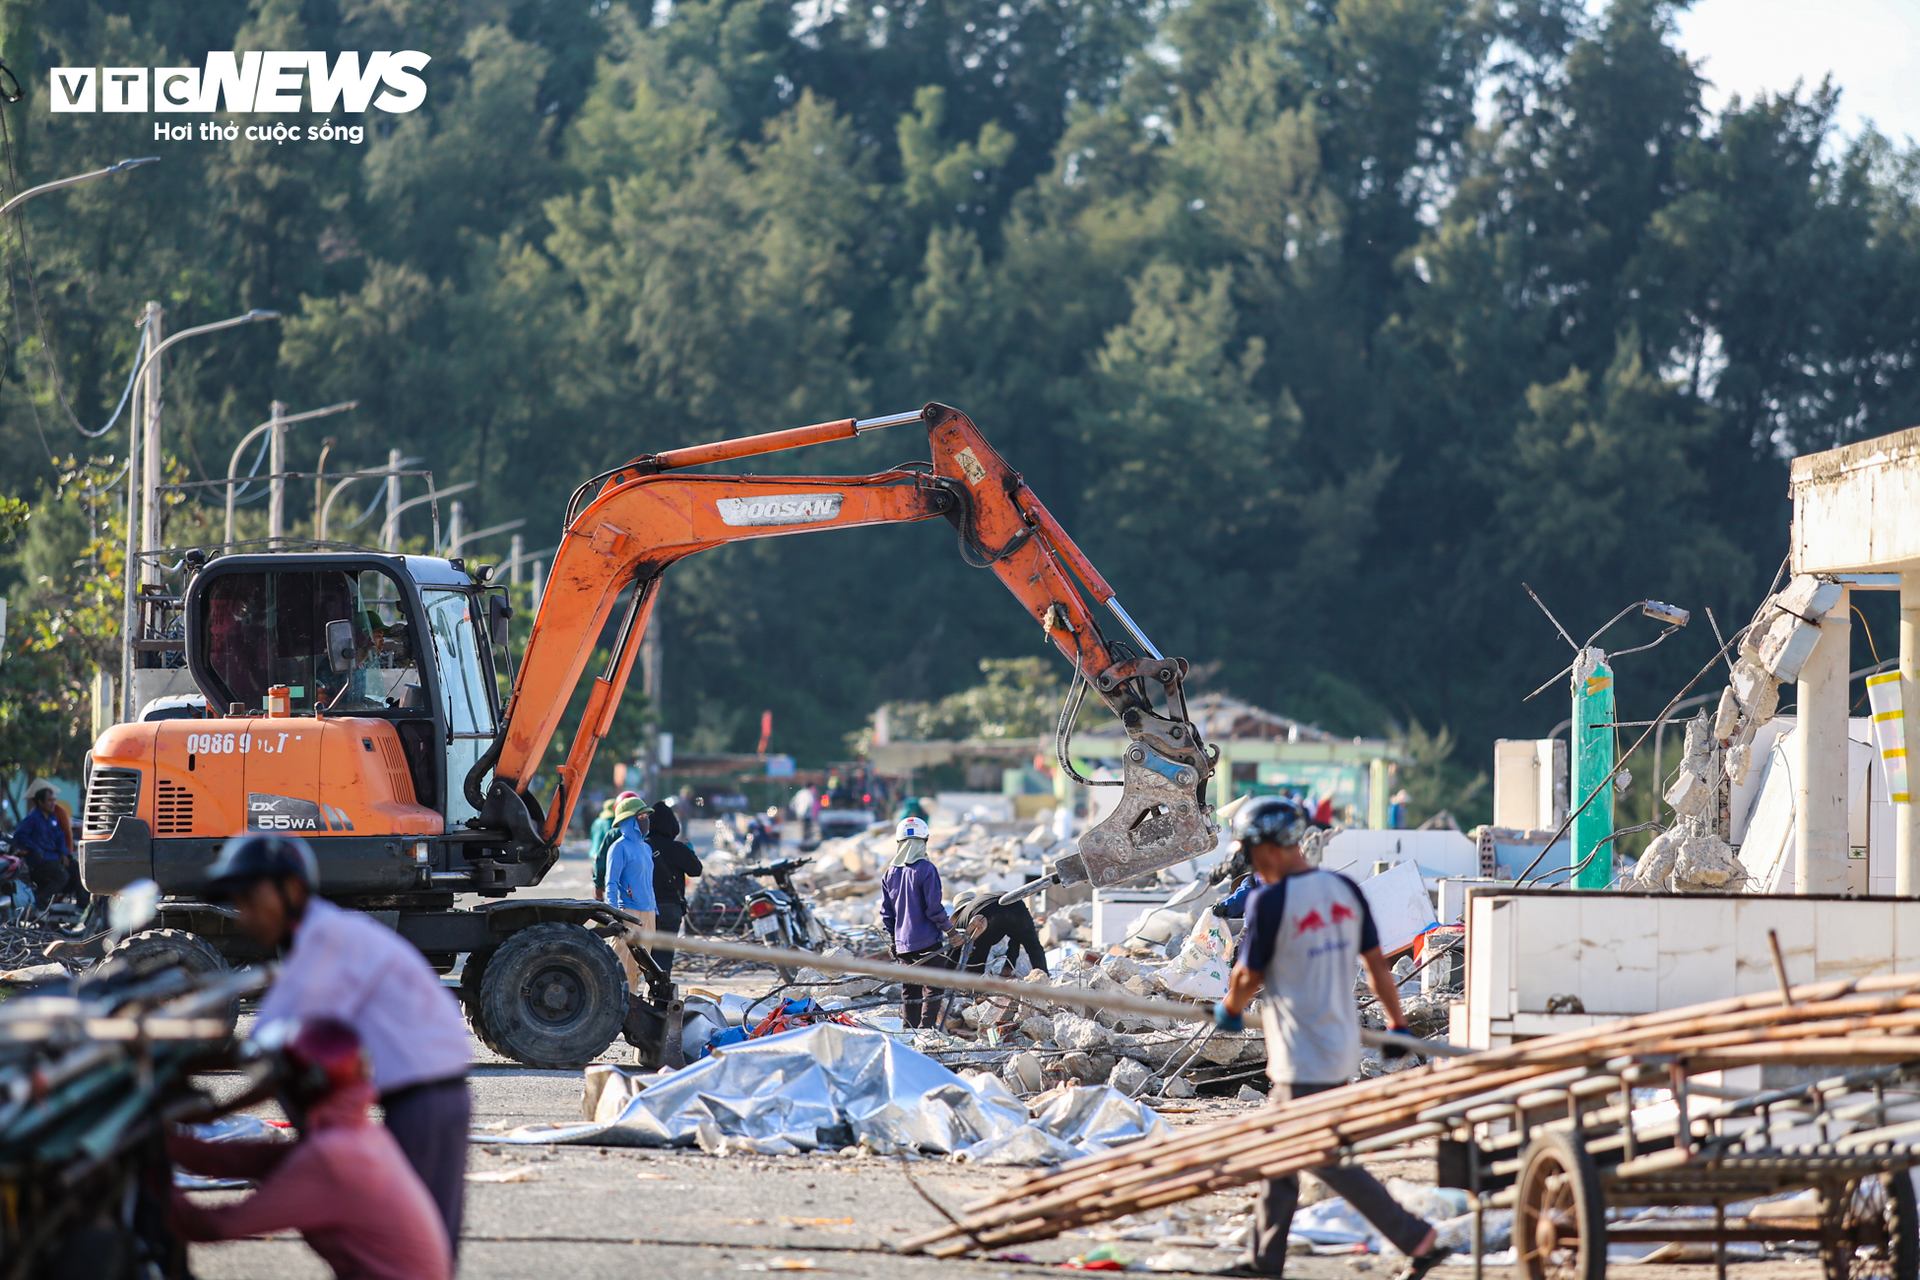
344,1186
1306,930
346,965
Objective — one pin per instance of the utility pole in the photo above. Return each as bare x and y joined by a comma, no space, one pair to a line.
276,475
539,582
130,576
143,477
390,527
519,549
456,529
150,468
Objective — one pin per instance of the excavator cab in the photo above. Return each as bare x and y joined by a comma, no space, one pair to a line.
394,638
358,690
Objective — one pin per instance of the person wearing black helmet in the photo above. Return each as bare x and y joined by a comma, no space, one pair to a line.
1306,930
346,965
345,1186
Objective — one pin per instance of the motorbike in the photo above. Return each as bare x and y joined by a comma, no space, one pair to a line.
763,834
778,915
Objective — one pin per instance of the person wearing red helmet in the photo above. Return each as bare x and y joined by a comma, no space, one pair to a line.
344,1185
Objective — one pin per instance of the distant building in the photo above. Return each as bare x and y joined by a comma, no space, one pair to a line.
1264,753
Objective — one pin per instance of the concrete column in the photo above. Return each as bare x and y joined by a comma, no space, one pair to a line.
1906,817
1377,784
1820,759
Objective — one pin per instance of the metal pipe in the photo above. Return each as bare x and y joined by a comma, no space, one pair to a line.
1113,603
1027,992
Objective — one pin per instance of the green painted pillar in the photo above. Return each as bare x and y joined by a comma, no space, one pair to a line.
1592,761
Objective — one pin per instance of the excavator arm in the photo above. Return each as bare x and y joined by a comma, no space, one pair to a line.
645,516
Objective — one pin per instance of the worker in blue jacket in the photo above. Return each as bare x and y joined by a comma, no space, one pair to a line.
630,879
45,846
915,919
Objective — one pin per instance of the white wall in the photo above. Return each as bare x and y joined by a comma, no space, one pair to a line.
1626,954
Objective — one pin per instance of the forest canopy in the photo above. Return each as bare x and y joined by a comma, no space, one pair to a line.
1321,324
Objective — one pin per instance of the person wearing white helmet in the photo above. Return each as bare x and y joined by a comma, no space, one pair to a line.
914,917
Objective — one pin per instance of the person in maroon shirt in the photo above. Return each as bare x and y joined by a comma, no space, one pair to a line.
344,1186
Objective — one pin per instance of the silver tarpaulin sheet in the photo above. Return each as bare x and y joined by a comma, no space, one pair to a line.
840,1085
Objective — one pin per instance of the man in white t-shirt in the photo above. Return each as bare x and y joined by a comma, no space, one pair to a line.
1306,931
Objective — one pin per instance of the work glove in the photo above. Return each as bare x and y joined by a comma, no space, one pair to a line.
1219,909
1226,1019
1394,1052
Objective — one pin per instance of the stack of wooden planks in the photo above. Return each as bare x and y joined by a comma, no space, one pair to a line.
1861,1022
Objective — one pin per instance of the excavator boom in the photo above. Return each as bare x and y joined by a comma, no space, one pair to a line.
645,516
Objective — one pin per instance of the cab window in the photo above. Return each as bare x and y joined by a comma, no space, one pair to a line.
338,640
464,688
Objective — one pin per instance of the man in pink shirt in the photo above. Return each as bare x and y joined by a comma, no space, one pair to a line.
344,1186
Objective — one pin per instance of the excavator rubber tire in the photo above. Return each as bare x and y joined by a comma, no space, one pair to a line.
155,949
553,995
472,974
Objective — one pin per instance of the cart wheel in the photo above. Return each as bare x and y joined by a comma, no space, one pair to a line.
1879,1231
1560,1228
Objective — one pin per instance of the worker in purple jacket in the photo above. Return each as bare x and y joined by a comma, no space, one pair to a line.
915,919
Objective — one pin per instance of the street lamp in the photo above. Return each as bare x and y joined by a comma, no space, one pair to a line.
276,468
57,183
143,476
390,535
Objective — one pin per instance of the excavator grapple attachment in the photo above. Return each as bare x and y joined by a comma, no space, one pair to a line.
1160,819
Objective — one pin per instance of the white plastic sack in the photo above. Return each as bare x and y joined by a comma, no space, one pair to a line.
1205,959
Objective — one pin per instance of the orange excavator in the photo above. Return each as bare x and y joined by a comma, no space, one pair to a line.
360,711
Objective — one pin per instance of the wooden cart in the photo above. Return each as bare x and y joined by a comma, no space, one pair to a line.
1569,1152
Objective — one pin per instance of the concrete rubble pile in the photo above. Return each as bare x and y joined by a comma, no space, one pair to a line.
1035,1045
1692,856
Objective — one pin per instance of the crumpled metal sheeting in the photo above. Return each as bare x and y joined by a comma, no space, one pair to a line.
1096,1119
1080,1122
786,1088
